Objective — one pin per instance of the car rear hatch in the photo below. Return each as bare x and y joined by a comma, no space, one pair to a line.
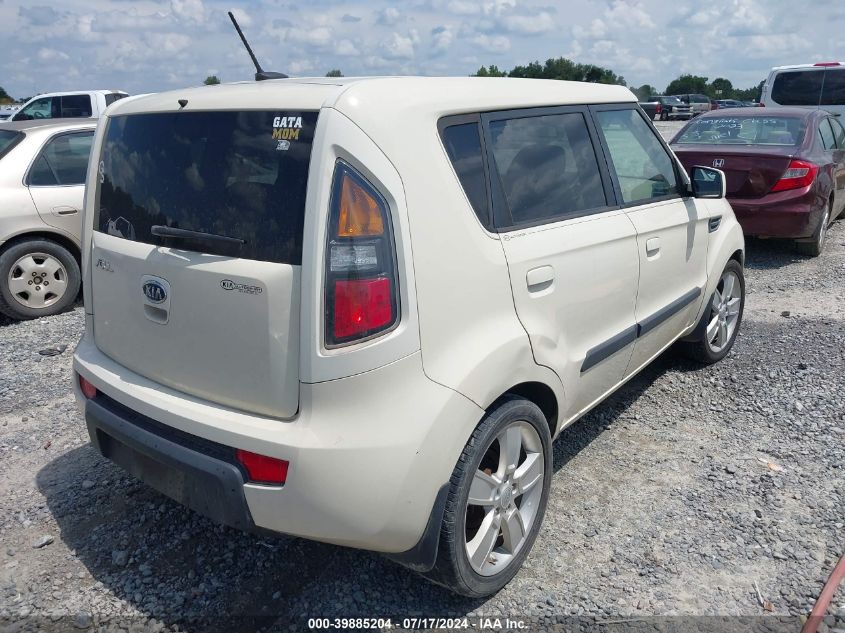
196,252
749,173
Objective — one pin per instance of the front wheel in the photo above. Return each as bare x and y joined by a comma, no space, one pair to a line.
715,334
497,498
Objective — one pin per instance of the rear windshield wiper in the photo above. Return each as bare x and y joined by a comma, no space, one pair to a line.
169,231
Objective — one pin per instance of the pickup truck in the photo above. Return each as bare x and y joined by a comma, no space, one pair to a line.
89,104
666,108
651,108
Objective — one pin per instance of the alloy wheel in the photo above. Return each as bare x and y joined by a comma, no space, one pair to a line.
724,311
504,498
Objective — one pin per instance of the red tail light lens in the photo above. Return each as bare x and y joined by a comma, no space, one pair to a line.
262,469
827,64
799,174
88,390
659,109
361,285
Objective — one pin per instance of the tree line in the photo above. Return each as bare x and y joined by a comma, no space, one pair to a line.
562,68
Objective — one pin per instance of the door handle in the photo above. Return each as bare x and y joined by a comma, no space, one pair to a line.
652,246
540,278
65,210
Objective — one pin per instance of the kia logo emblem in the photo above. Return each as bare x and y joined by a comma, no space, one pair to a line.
154,291
719,162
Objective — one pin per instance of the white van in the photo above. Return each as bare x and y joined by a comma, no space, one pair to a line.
88,104
359,310
820,85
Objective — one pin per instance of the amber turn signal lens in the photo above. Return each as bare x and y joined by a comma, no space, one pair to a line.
360,215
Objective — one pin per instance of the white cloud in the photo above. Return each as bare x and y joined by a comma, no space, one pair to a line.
398,47
389,16
51,55
346,48
242,17
188,10
492,43
441,39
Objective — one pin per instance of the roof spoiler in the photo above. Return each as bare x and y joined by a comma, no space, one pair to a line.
260,73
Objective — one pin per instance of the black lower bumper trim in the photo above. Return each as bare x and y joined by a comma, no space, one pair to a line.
193,472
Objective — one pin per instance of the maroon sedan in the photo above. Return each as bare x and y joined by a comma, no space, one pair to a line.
785,168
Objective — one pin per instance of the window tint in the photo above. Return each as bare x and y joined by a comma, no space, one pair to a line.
62,161
237,174
463,145
798,87
839,133
547,166
112,97
828,140
38,109
644,168
76,106
834,87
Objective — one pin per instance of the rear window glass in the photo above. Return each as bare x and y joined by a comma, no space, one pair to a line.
463,145
834,87
8,139
547,166
752,130
236,174
799,87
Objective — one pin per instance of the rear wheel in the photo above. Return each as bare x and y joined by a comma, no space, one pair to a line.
716,332
496,502
37,278
815,247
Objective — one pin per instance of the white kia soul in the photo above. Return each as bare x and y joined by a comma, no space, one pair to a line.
359,310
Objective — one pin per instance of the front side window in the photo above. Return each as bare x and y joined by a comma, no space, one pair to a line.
834,87
39,109
798,87
643,167
826,133
744,130
75,106
240,175
547,167
62,161
463,145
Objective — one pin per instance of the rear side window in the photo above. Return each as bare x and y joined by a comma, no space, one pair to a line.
235,174
798,87
75,106
834,87
62,161
839,133
643,167
463,145
8,139
828,140
112,97
547,167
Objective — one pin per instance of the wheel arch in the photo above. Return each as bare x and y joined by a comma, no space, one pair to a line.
540,394
54,236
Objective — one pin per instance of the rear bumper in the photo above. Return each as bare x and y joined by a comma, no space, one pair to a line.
368,454
787,214
198,474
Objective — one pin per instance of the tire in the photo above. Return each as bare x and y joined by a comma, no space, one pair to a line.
27,270
498,501
815,247
707,345
664,116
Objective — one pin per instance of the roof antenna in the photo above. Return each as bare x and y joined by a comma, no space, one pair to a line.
260,75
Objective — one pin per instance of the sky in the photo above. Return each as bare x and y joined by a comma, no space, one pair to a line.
154,45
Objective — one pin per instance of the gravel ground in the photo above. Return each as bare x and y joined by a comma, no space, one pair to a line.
684,495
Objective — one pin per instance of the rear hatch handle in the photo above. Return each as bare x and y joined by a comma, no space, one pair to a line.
169,231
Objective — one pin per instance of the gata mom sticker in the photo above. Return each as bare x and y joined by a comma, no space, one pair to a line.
285,130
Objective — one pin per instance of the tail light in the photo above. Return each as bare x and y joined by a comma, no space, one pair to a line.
761,105
361,282
659,109
88,390
262,469
799,174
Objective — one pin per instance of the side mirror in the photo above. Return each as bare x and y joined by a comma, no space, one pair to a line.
708,182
